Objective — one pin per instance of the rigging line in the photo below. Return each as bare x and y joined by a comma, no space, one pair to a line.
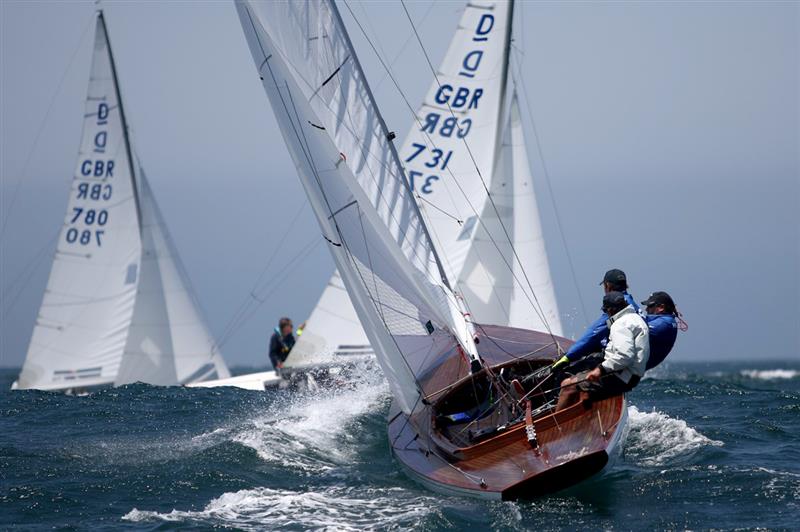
250,310
458,220
24,172
483,182
546,174
34,262
538,311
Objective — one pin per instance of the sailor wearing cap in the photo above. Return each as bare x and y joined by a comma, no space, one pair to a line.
663,324
595,337
624,357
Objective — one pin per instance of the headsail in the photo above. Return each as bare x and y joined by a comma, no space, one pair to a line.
493,282
356,186
168,341
82,325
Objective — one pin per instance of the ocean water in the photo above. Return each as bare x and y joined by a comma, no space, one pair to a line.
710,446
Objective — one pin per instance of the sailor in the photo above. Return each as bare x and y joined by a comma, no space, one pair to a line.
596,335
662,321
624,357
282,342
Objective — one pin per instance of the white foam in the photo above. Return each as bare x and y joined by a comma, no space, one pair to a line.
333,508
656,438
770,374
310,432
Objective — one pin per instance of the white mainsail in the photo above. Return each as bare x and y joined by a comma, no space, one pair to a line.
98,281
455,134
356,186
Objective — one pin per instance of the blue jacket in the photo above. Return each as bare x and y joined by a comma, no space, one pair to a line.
596,336
663,332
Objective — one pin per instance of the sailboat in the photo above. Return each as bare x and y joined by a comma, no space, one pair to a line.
118,307
477,260
456,424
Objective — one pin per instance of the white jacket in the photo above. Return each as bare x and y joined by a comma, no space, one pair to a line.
628,345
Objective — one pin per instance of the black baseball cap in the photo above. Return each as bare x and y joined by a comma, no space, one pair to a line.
614,276
614,301
660,298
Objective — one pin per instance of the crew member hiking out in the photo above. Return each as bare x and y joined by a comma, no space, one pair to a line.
282,342
663,324
595,337
624,357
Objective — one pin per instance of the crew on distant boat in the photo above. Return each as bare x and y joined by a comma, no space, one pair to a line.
596,336
282,342
663,324
624,357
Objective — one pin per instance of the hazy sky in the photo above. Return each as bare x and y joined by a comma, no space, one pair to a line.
670,132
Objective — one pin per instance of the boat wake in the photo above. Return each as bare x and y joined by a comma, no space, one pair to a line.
335,508
770,374
656,439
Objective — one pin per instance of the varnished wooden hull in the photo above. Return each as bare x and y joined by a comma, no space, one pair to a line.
574,444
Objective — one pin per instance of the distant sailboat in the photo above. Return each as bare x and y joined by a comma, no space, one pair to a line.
478,254
117,308
456,424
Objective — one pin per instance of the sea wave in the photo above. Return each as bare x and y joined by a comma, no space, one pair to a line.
333,508
656,438
770,374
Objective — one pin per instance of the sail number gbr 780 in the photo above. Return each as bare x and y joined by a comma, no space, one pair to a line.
86,221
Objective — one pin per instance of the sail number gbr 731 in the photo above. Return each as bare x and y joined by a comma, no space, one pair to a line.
454,101
86,222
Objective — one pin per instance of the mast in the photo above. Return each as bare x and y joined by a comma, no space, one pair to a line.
390,137
124,121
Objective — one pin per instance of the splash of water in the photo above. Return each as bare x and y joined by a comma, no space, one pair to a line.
656,438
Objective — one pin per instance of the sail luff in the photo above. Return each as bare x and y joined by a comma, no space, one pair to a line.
125,130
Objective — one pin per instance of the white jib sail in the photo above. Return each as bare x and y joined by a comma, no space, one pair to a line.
82,324
487,281
355,185
332,331
168,341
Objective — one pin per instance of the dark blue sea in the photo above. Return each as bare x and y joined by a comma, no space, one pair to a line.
710,446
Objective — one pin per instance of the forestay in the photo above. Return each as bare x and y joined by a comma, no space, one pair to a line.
81,328
168,340
494,282
355,184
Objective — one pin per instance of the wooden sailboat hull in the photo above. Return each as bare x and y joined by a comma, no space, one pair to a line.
573,444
